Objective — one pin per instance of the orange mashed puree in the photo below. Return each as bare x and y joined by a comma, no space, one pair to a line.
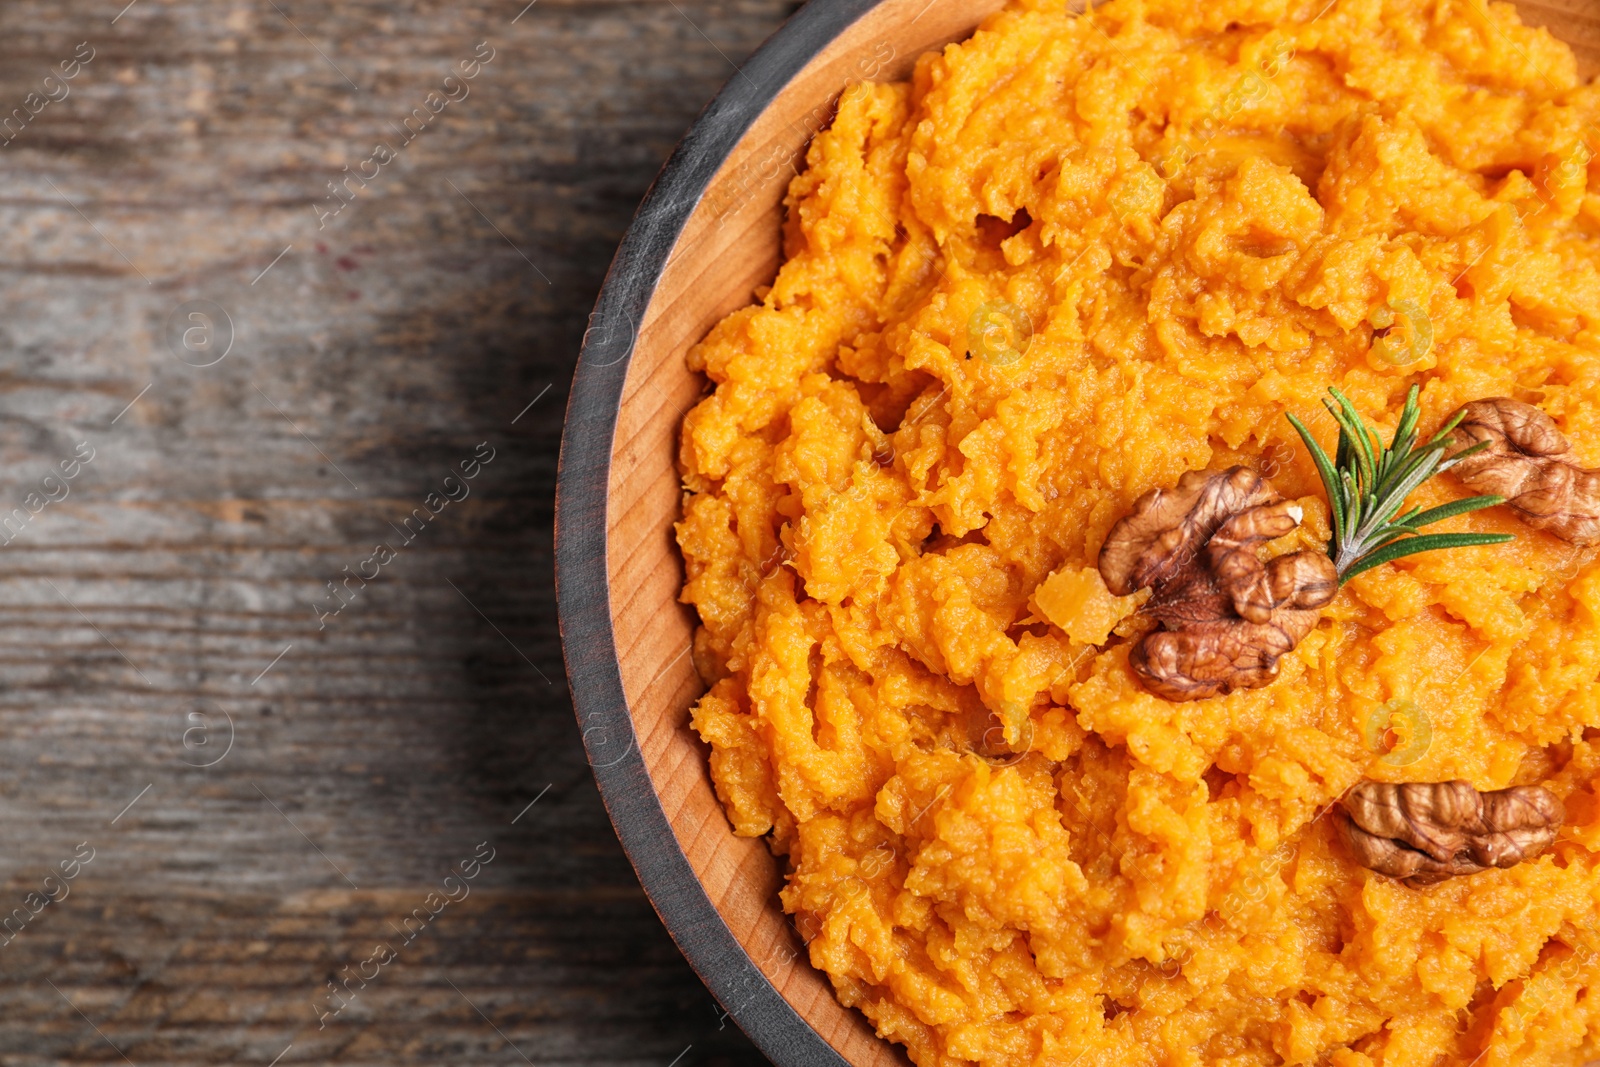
1070,260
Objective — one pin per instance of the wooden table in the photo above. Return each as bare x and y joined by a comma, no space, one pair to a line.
269,389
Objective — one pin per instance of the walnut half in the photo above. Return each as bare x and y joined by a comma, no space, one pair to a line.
1226,616
1424,833
1528,461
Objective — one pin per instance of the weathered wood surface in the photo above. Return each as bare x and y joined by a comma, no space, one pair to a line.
150,605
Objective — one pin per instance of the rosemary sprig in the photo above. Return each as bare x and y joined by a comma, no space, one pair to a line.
1367,484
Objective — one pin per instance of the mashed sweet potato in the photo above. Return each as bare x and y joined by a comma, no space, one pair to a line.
1071,260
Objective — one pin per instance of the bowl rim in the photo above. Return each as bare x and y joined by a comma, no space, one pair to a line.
583,598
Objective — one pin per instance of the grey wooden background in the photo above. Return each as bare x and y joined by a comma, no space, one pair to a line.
157,610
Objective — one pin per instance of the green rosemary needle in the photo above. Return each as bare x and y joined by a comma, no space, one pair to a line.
1367,484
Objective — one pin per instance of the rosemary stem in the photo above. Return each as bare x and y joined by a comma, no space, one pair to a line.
1368,484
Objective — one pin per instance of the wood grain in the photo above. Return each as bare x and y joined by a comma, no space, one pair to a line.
188,554
728,247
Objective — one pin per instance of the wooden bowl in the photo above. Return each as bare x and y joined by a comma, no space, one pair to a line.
705,237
